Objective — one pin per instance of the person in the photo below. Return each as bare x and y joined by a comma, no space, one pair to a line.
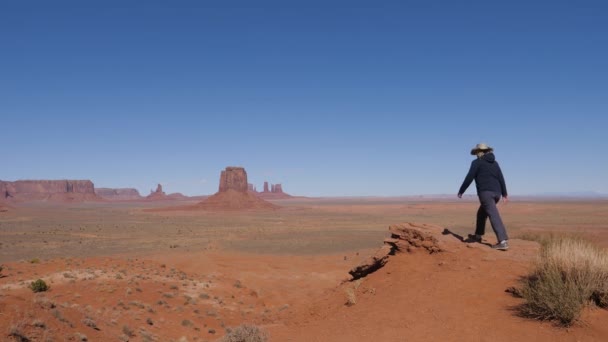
491,186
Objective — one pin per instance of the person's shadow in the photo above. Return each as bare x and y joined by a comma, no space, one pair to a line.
447,231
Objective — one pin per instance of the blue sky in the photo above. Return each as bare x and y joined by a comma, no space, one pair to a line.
328,98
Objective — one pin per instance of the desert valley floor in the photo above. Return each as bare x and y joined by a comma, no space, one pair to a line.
122,271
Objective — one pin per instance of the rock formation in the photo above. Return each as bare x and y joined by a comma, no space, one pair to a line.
158,194
121,194
405,237
53,190
251,188
233,194
275,192
233,178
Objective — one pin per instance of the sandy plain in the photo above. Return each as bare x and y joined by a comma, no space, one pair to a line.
119,272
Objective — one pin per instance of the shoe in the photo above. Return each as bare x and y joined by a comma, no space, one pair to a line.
501,246
473,238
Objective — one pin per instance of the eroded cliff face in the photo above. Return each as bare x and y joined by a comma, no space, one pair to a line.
233,178
61,190
119,194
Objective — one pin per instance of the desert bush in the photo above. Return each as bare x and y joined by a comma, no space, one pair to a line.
245,333
39,286
569,274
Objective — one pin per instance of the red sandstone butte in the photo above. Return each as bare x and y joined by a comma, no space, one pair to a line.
234,178
233,193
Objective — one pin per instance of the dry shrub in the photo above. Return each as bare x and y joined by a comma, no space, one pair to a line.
569,274
246,333
39,286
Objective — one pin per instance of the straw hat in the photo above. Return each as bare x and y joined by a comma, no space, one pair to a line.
481,147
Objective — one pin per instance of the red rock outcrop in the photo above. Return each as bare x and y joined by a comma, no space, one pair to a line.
405,237
233,195
54,190
276,192
251,188
158,194
233,178
120,194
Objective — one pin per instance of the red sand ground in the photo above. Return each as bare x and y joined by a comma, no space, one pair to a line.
452,296
174,295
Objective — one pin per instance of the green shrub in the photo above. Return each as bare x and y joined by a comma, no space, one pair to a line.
39,286
245,333
569,274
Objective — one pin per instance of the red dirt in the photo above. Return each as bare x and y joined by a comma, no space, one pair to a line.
188,291
457,295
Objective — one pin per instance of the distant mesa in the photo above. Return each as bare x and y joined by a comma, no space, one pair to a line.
119,194
48,190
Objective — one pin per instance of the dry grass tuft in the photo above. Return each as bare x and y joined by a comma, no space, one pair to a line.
245,333
569,274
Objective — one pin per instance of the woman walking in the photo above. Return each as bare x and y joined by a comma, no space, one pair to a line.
491,186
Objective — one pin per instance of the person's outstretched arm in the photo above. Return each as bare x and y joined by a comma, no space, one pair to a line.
469,178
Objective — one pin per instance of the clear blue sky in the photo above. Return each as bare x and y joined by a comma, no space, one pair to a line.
328,98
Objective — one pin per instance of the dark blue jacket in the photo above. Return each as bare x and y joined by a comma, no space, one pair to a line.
487,175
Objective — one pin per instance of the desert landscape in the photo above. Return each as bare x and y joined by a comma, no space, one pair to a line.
303,171
175,269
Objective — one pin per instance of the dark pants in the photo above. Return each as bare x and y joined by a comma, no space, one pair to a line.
488,200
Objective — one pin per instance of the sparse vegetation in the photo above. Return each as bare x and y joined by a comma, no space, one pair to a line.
34,261
89,322
39,286
569,274
128,331
17,331
245,333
